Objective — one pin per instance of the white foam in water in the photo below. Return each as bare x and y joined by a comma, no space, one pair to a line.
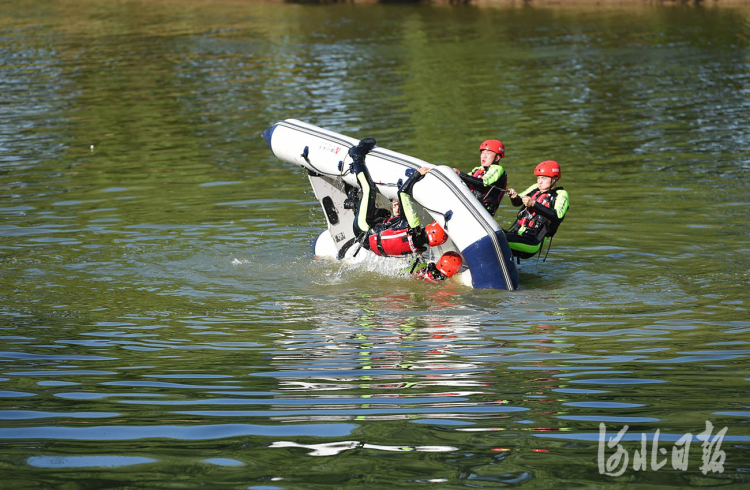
368,261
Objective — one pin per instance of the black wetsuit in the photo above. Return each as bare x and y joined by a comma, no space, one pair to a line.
488,185
534,224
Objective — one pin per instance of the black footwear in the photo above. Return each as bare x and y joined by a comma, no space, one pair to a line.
368,144
362,148
352,199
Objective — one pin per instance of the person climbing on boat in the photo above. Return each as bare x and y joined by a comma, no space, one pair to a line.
543,209
487,181
401,234
447,266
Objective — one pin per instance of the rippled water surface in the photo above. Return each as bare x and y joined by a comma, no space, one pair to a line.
164,324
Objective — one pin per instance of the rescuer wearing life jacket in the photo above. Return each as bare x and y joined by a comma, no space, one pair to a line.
402,233
447,266
544,208
487,181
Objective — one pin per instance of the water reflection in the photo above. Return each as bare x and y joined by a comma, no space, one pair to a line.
332,449
61,462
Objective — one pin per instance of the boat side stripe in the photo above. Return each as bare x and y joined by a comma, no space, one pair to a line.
345,144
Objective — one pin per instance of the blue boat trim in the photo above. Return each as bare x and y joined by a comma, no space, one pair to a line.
268,134
483,263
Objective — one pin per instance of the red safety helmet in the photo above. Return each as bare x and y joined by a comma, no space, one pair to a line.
493,145
436,235
548,168
449,264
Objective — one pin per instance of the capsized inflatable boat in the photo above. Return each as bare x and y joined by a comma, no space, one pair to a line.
443,196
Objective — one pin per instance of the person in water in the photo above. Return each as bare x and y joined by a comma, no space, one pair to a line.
447,266
400,234
543,209
488,181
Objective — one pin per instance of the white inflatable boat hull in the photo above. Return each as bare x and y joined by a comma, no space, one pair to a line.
442,194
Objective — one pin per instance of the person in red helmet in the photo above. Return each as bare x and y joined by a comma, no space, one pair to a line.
399,234
488,181
447,266
543,208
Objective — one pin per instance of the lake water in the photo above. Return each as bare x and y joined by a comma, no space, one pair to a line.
164,324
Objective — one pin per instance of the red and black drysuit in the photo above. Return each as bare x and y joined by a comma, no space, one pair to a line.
427,272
